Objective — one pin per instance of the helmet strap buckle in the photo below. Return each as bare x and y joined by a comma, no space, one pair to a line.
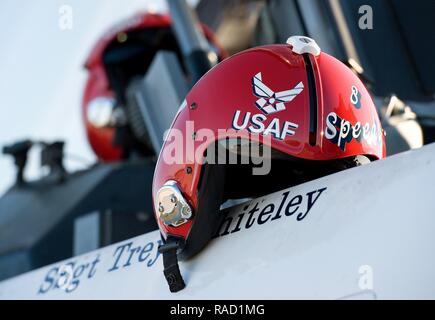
170,263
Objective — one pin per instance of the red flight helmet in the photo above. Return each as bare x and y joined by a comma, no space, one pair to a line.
109,73
308,108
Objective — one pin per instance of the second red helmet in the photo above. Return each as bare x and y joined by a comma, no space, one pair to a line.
122,53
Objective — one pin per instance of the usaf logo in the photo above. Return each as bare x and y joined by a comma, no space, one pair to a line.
269,102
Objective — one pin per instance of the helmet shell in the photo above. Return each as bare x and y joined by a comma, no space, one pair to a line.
326,113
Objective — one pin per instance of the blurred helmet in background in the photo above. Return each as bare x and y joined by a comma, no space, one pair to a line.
122,54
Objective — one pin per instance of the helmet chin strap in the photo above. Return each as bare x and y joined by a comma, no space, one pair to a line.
170,263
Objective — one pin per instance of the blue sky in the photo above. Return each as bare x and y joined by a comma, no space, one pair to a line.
41,73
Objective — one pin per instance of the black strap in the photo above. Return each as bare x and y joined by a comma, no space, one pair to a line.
170,264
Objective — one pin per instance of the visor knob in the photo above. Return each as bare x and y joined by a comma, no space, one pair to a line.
302,44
